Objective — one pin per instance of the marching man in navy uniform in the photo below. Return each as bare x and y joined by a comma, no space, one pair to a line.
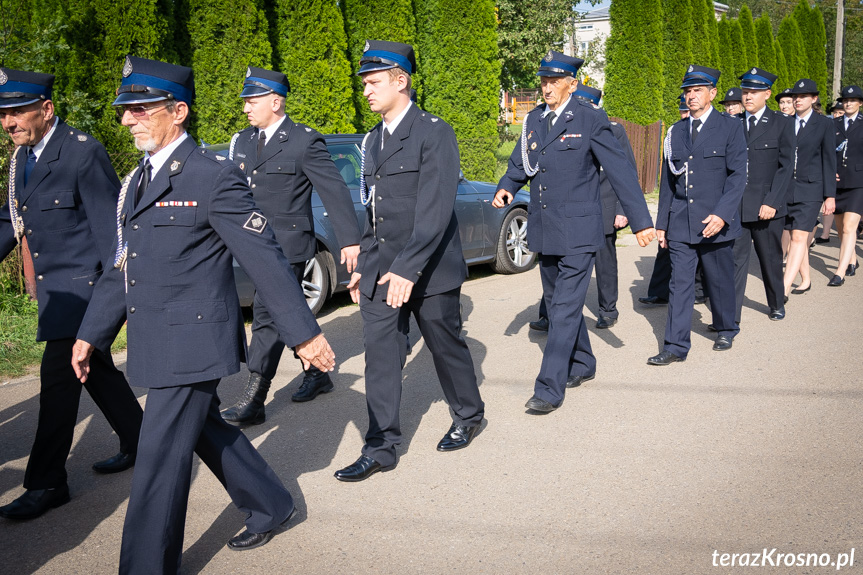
63,200
770,153
410,259
563,144
703,178
182,216
283,160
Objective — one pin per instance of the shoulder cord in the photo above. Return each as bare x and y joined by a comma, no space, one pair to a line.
529,170
666,149
233,145
17,220
367,196
122,244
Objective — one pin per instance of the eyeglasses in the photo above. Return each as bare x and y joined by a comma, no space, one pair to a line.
138,111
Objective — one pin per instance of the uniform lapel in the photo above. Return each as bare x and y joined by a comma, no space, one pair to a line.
761,126
271,149
394,142
565,115
50,154
853,126
162,181
704,134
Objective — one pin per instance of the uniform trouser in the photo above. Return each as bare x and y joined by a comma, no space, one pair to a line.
58,411
606,277
384,335
565,280
717,262
661,277
767,237
266,347
177,422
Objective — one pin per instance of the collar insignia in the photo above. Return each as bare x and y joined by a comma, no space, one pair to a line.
242,165
175,165
127,67
533,146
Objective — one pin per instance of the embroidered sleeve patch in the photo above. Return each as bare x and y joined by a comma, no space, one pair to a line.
256,223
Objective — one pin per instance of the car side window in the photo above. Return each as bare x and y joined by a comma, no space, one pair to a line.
346,157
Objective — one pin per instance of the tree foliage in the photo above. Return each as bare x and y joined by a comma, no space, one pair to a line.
313,51
793,50
676,53
812,32
702,52
457,44
226,37
393,21
767,54
726,61
747,27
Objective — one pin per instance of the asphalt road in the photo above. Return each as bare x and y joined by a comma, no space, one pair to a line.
656,470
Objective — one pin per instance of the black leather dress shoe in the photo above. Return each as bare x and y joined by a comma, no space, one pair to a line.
653,300
314,383
458,437
605,322
852,269
820,240
576,380
836,281
539,325
777,314
541,405
120,462
664,358
722,343
361,469
246,540
35,502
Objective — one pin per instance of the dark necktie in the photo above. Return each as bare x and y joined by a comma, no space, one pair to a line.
386,136
695,125
801,126
548,122
31,163
850,121
146,174
752,121
262,141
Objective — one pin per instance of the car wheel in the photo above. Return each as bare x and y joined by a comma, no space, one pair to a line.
512,256
316,281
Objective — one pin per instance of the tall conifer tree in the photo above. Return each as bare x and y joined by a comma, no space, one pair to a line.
676,53
793,50
747,27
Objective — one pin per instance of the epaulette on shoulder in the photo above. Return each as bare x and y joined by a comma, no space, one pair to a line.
78,135
304,128
427,117
217,157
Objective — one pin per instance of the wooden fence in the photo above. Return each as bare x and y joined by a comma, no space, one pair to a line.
646,144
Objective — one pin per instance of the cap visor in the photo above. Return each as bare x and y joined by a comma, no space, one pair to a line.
136,98
251,91
375,67
17,102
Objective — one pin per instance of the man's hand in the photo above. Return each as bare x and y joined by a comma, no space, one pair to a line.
81,353
620,222
645,236
660,237
350,255
354,287
317,352
501,198
399,290
713,227
829,206
766,212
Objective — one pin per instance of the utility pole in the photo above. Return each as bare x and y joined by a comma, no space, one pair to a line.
839,51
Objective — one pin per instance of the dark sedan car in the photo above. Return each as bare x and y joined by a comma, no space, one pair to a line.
488,235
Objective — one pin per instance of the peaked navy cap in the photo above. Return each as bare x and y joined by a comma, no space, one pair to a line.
20,88
757,79
260,81
700,76
559,64
382,55
588,93
151,81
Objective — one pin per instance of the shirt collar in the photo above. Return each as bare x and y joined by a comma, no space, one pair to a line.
848,118
806,117
559,110
270,131
37,149
395,123
158,159
757,115
703,117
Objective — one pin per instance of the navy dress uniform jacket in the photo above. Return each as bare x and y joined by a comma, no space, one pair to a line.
770,153
850,166
180,299
69,208
565,211
412,231
717,178
292,163
815,172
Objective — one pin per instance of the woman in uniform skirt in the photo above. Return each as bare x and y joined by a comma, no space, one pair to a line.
849,186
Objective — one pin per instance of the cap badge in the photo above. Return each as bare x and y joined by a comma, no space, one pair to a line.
549,56
848,91
366,47
248,72
82,138
256,223
175,165
691,69
127,67
3,77
753,71
800,84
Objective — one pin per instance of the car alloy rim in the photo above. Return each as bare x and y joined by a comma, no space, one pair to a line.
516,241
312,277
